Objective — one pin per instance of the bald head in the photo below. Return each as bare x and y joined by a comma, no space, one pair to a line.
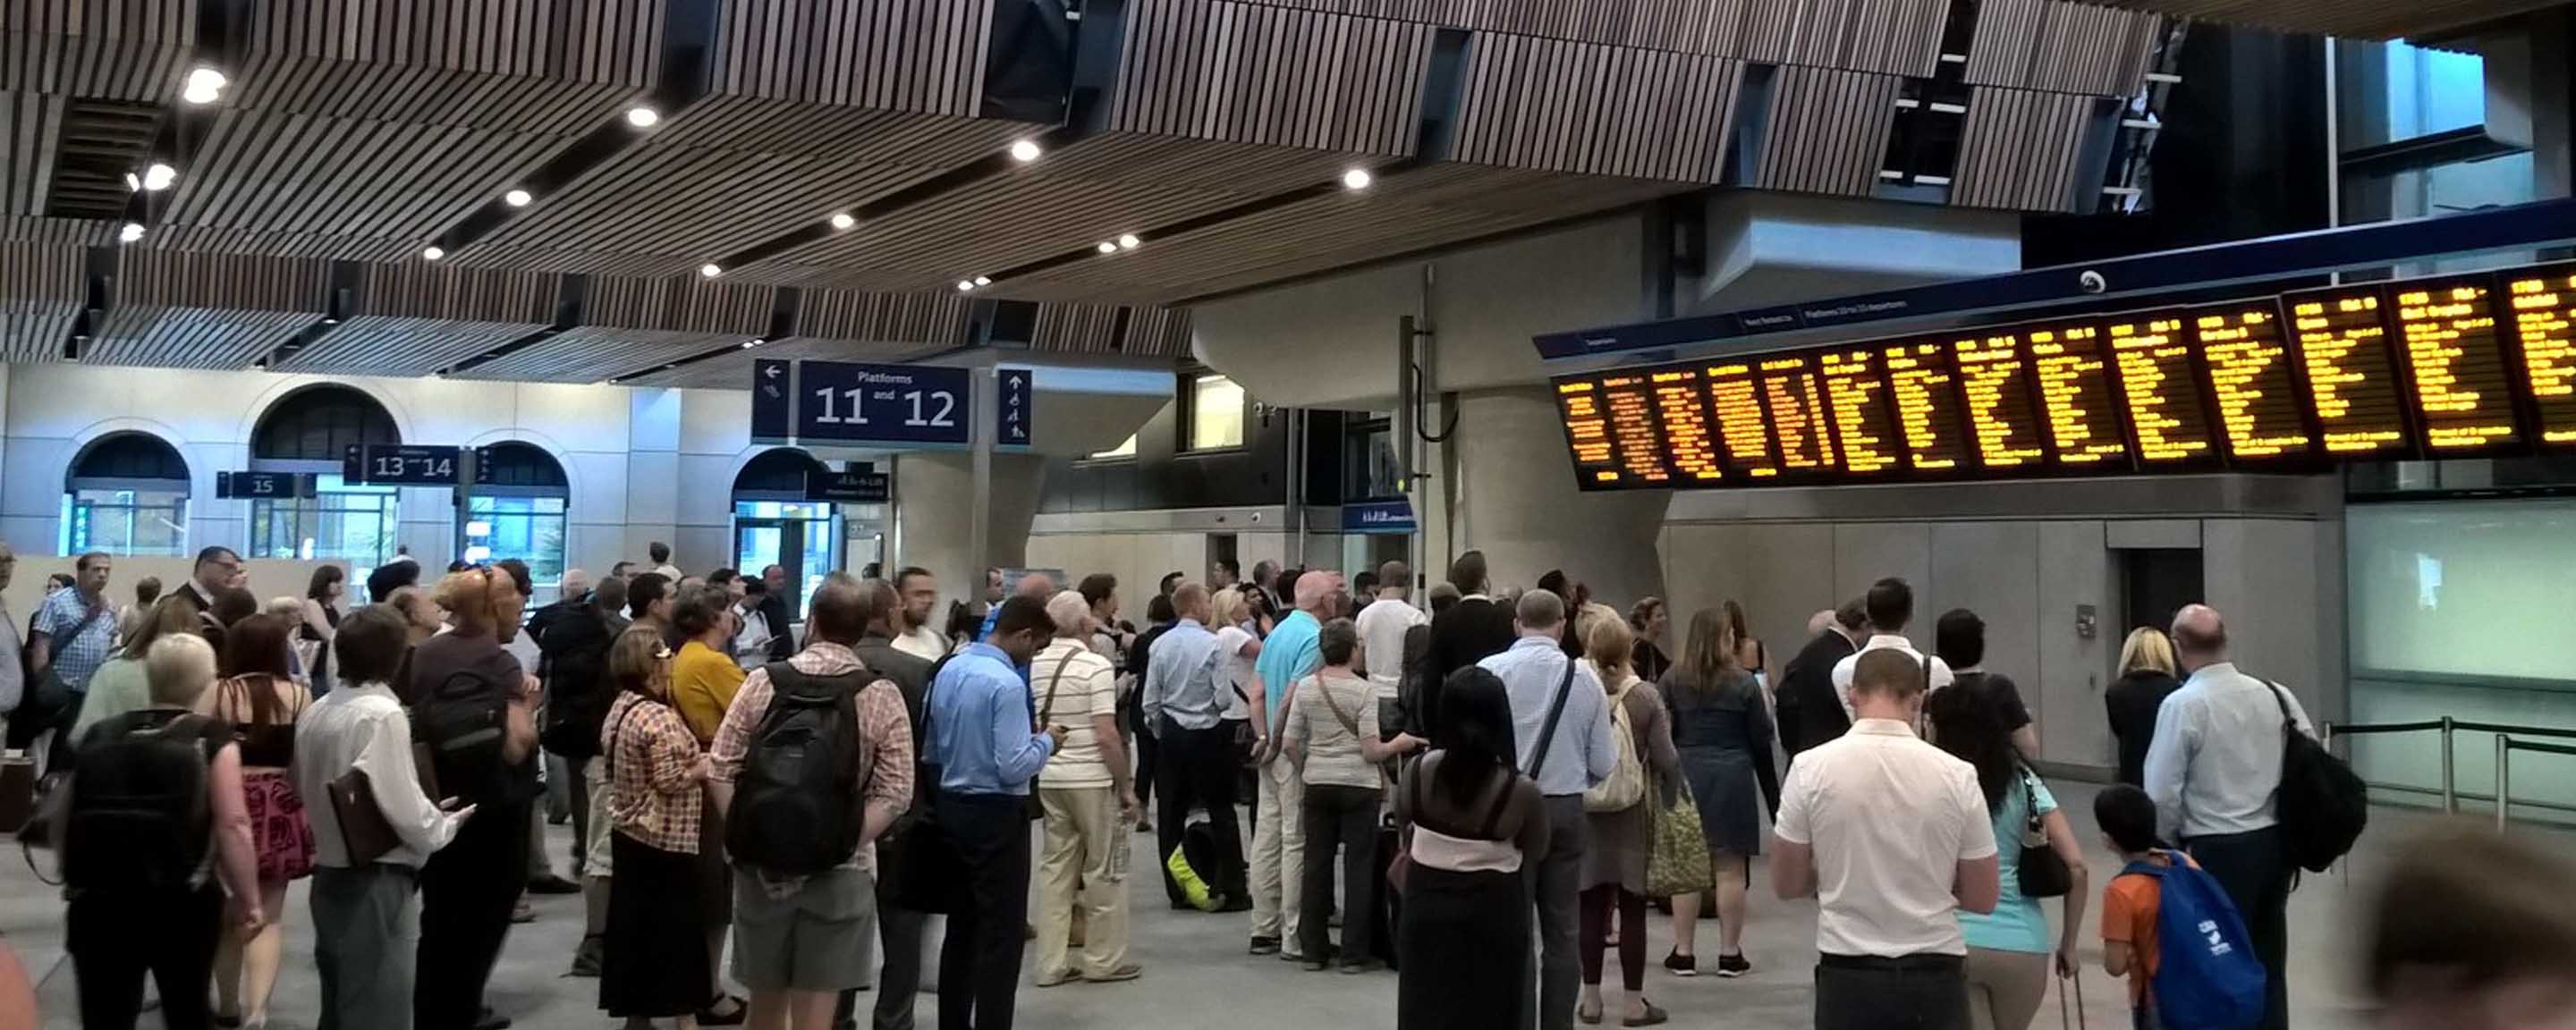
1315,590
1816,623
574,584
1539,613
1037,586
2199,636
1190,601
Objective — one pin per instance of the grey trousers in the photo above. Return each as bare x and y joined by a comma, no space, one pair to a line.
1556,888
366,930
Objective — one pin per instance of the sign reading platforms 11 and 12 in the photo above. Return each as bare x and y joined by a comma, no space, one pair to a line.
834,402
2459,366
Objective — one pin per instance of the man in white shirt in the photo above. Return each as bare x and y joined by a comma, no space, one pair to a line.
661,554
1892,838
1089,803
366,916
2212,769
920,593
1382,627
1890,604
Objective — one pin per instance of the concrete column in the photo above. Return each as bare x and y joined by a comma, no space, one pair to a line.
1517,502
934,497
653,476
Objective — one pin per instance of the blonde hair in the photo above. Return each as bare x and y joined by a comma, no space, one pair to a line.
639,660
287,605
467,596
2148,649
1611,645
1226,608
179,668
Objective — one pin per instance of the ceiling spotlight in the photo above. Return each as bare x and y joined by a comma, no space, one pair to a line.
1025,151
158,177
432,253
643,117
964,285
517,198
326,320
203,86
1357,179
133,182
133,231
1107,247
983,280
753,342
1128,241
842,220
711,269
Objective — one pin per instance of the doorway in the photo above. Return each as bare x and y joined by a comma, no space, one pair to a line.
2156,582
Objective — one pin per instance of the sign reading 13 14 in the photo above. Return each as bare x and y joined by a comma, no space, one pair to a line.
913,404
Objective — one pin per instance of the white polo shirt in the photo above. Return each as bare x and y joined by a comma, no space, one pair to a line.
1890,818
1844,669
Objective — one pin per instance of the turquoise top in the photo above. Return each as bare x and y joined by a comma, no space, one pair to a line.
2017,924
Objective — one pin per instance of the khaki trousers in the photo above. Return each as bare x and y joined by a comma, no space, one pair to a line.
1278,852
1075,873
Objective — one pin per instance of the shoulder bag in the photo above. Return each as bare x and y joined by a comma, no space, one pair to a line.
1046,710
2042,873
1555,711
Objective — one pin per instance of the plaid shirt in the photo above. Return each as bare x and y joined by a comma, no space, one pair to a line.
884,726
652,798
80,655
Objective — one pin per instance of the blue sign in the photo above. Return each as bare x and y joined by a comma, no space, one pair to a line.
894,404
1017,413
1394,516
259,485
387,464
773,410
859,483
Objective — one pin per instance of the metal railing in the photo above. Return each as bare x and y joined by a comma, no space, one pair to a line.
2447,727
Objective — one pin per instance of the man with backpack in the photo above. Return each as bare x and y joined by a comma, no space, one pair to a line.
575,651
2214,770
813,762
978,733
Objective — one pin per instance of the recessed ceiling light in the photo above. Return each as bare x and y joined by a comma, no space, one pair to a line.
1026,150
326,320
1357,179
643,117
749,344
964,285
842,220
432,253
983,280
203,86
133,182
1107,247
517,198
133,231
158,177
1128,241
711,269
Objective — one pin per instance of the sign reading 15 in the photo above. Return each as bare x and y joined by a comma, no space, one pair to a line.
940,404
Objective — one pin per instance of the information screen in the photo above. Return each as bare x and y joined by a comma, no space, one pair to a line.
2352,376
2457,358
2075,391
2541,303
2476,364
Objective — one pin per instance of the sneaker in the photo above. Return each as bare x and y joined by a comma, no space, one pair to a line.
1265,945
1732,966
1679,964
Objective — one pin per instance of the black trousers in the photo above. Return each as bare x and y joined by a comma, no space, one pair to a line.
466,892
1198,769
979,964
579,768
1149,752
1917,992
1344,818
114,940
2256,874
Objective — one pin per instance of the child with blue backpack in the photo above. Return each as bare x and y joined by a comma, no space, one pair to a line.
2170,929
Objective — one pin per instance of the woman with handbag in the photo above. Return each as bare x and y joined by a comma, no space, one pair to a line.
1615,860
2009,949
1332,739
1723,731
262,704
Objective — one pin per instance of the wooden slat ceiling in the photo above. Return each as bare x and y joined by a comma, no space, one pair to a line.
41,290
418,318
109,49
2359,19
840,325
634,324
181,310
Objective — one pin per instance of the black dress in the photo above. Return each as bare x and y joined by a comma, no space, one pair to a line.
320,674
1462,942
2133,703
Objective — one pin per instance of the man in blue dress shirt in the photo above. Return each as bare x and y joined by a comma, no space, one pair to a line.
1566,746
979,723
1184,706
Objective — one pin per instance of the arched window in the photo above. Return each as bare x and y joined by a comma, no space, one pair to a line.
126,493
773,523
515,509
307,431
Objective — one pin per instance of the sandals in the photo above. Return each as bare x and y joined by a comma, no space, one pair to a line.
1653,1017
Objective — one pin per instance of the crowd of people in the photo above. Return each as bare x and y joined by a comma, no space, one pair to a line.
1488,793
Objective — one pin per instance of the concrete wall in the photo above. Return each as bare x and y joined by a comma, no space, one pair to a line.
268,578
1139,547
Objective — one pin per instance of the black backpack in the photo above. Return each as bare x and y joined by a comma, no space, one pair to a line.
796,807
137,820
465,721
578,694
2322,806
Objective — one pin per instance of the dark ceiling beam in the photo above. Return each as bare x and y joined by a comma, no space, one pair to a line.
572,301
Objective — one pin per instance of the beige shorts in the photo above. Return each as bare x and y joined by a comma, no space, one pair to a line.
595,849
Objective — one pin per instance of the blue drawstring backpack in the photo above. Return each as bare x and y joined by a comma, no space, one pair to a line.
2207,975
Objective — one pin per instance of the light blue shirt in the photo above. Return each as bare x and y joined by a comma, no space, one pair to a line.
1582,752
978,725
1293,651
77,650
1182,679
2016,924
2216,758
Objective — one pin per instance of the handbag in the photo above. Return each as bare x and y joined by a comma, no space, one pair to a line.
2042,873
363,829
1677,854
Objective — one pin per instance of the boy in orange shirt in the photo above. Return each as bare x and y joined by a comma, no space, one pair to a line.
2131,902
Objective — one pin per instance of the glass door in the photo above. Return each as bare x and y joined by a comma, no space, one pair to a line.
798,536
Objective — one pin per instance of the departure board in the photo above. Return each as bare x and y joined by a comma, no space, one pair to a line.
1858,399
1682,407
1995,376
2159,388
2542,300
1797,408
2466,365
2075,392
2352,378
2452,346
2250,372
1921,379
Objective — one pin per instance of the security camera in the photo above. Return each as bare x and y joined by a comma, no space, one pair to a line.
2092,282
